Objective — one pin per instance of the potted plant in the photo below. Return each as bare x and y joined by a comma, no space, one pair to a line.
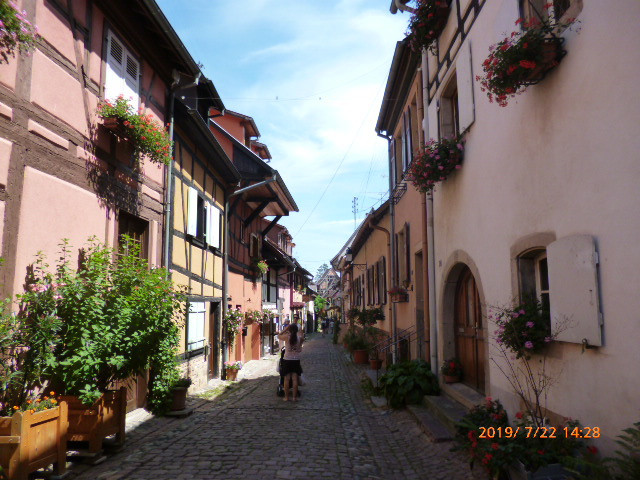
261,267
434,163
451,370
233,320
179,393
521,59
353,313
398,294
148,136
231,369
253,316
360,348
33,437
375,362
408,382
16,32
426,23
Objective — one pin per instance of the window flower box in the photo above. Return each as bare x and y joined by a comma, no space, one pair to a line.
33,440
426,23
148,137
523,58
93,423
435,163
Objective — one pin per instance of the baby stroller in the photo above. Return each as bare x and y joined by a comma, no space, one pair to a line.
280,391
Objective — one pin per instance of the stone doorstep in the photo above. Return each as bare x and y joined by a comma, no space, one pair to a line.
445,409
431,426
463,394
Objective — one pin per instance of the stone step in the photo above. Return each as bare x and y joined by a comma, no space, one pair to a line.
374,375
445,409
430,424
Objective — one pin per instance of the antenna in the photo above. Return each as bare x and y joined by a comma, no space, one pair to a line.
354,209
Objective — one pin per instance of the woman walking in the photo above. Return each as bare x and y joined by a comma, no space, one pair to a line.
291,368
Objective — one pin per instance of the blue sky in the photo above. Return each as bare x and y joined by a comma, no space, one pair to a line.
312,74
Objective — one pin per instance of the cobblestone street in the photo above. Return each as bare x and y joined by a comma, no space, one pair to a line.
250,433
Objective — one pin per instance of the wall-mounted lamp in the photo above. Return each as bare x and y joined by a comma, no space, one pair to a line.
348,256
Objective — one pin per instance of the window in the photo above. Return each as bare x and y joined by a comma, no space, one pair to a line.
534,276
136,229
407,143
195,326
449,114
552,11
382,281
122,71
255,246
203,222
403,263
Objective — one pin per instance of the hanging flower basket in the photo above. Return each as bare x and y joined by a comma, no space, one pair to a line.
426,23
398,294
521,59
434,163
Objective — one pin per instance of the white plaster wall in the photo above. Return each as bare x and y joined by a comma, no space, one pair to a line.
562,158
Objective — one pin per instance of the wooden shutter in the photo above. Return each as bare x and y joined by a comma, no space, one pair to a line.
392,160
192,212
213,225
195,326
574,295
407,253
464,77
408,138
384,279
114,75
131,78
432,120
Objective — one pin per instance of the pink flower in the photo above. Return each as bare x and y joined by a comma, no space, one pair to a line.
530,324
547,339
528,345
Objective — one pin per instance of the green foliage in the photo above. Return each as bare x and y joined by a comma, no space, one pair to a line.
408,382
452,367
16,32
111,318
233,320
336,331
433,164
523,328
319,304
626,463
147,135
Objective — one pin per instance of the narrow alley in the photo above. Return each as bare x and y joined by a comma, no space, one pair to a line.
250,433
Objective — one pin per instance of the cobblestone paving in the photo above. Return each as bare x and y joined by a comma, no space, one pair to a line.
250,433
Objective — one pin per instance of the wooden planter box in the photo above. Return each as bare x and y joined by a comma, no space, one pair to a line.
30,441
93,423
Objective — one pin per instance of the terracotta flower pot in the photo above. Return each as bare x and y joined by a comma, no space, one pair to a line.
360,356
375,363
232,374
451,378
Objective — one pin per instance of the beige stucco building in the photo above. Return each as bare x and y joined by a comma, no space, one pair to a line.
545,203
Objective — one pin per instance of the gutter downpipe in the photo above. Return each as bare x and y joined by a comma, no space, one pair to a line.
225,257
431,268
175,87
392,263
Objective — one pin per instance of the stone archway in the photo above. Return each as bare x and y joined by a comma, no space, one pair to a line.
464,329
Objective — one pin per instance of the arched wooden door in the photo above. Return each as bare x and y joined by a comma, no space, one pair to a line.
469,334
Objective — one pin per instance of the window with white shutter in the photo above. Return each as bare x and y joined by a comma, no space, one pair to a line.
122,72
464,78
574,294
192,212
196,326
213,225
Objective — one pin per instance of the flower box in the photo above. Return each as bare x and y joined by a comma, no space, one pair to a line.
399,297
93,423
550,55
360,356
427,22
33,440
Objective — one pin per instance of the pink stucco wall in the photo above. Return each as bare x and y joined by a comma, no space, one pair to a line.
52,210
